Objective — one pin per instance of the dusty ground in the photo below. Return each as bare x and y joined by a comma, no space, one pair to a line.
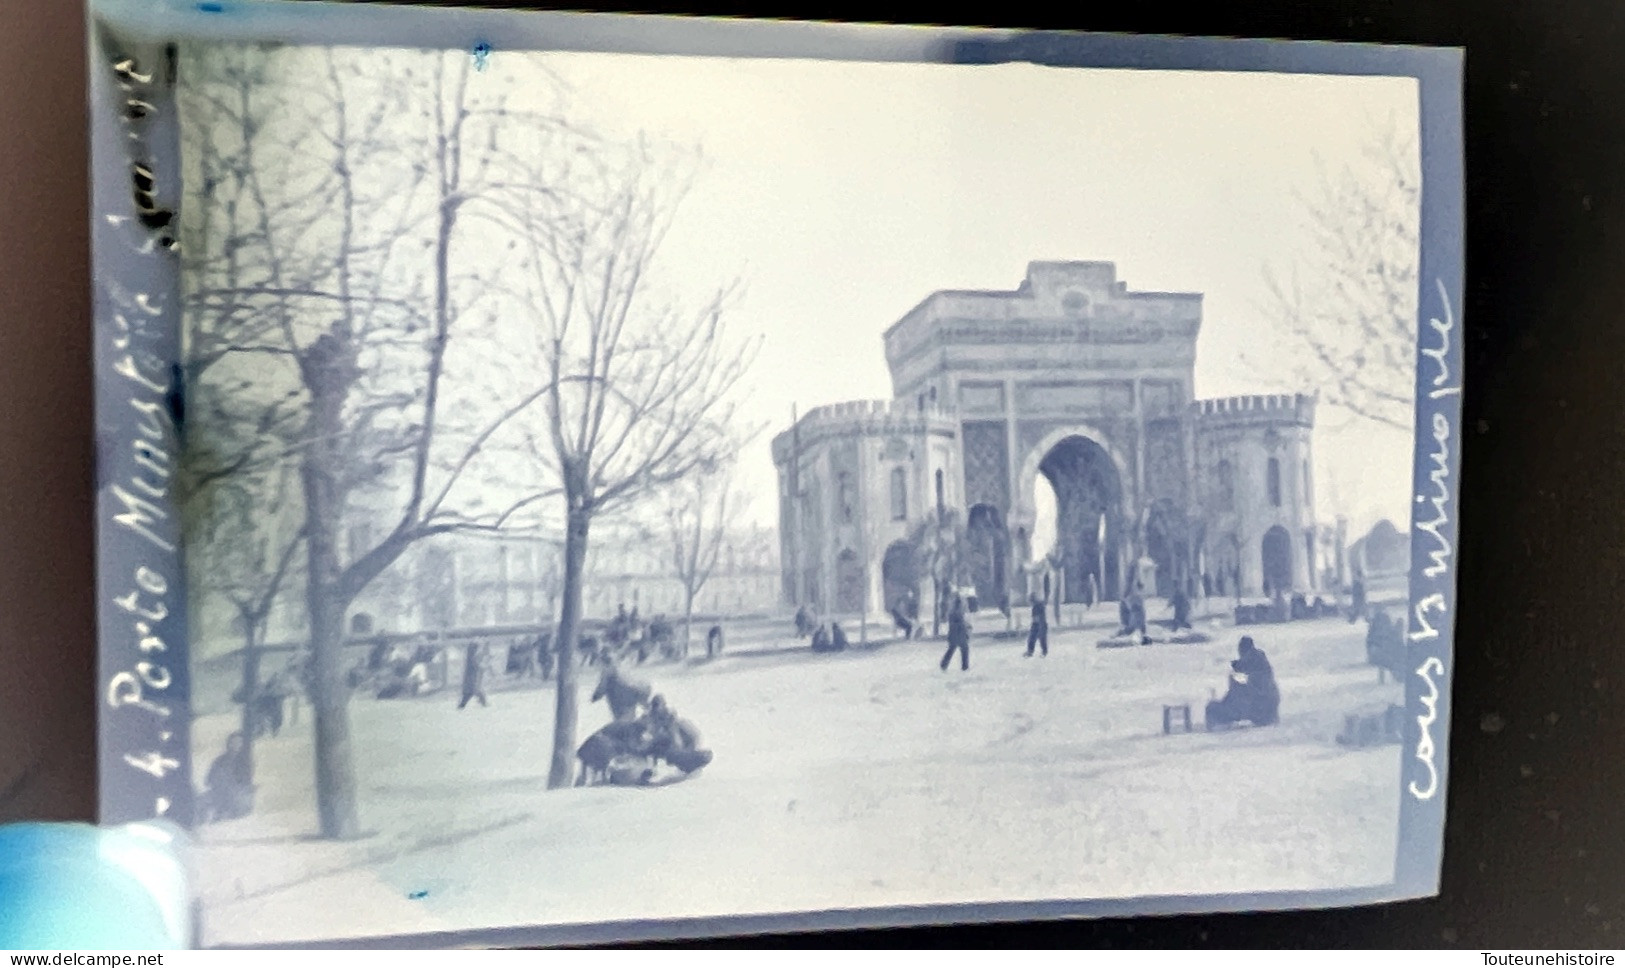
859,780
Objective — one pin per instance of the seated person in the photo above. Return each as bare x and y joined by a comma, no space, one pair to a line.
1253,696
838,636
229,789
1385,643
673,739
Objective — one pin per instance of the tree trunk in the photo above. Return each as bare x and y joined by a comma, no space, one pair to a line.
688,619
336,800
562,772
936,607
251,685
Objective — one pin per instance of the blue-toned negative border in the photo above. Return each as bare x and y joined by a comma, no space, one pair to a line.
143,689
129,263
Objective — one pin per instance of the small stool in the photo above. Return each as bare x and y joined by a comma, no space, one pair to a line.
1169,711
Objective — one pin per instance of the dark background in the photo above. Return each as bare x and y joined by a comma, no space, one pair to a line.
1535,843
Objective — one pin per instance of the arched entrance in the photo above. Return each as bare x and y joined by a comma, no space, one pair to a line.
988,554
899,572
1088,516
1277,551
848,582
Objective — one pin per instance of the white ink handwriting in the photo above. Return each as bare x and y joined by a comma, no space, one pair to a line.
1432,603
1424,745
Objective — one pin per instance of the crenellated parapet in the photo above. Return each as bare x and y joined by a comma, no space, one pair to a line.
863,418
1263,410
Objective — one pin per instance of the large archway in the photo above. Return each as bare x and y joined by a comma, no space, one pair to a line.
899,573
988,554
1277,553
1088,516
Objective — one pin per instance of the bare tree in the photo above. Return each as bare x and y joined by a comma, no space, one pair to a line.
696,514
247,539
1348,306
639,390
361,300
235,483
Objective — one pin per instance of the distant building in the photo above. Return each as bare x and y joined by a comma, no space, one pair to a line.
1384,551
473,580
1074,377
480,581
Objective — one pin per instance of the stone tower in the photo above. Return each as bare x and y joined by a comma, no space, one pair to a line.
1256,465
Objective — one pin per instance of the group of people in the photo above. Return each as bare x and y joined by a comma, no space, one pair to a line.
396,672
1252,695
629,636
228,789
1280,608
644,731
266,702
826,634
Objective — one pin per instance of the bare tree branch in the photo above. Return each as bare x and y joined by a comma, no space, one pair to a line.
1349,306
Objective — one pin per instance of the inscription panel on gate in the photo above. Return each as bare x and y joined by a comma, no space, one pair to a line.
1082,399
981,398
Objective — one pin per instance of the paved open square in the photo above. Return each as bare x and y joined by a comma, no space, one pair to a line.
869,778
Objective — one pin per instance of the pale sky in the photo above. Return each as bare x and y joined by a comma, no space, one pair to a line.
844,193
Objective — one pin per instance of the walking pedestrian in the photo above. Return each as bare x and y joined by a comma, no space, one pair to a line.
958,636
474,669
1038,632
1182,610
